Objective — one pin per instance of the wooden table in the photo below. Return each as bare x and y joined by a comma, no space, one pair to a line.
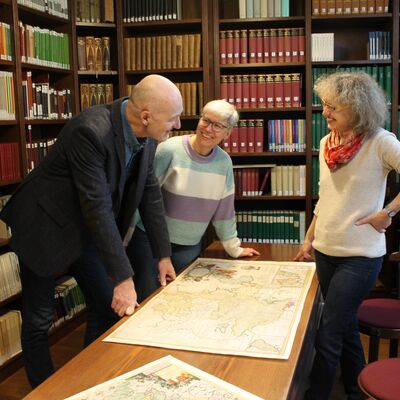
271,379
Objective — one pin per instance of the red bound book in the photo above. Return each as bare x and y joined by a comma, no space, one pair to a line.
294,39
235,181
236,47
245,181
264,181
287,42
250,136
296,90
242,136
240,181
287,91
259,136
253,91
281,45
22,47
266,44
302,44
256,179
226,144
261,91
235,140
238,91
245,91
231,89
229,47
252,45
222,47
259,46
270,94
278,90
243,46
273,49
223,88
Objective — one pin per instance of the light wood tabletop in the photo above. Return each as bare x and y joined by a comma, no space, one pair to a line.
271,379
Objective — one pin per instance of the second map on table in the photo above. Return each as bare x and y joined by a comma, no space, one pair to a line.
249,308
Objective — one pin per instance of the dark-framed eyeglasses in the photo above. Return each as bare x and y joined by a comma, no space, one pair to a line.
215,125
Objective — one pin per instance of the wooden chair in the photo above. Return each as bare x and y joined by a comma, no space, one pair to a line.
380,319
380,379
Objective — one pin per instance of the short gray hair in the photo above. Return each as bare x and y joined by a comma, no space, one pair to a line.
224,110
359,91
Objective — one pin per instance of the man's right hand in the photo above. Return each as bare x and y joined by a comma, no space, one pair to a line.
124,298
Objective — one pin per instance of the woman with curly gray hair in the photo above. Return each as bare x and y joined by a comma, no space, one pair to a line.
347,230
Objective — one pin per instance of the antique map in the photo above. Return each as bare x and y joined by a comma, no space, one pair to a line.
249,308
163,379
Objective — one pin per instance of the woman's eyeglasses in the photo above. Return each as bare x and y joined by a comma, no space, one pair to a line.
328,106
216,126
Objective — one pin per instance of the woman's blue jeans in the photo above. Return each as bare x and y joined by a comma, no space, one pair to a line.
344,282
145,266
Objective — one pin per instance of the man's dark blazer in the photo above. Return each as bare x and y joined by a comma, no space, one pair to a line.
79,193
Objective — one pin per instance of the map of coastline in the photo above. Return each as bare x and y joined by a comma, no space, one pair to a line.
236,307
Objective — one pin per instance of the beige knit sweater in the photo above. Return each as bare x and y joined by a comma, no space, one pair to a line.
354,191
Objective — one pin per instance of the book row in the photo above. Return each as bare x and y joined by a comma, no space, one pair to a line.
323,7
322,46
271,226
269,179
288,180
5,231
192,97
95,11
69,300
93,53
7,99
246,137
262,91
251,180
263,8
281,45
92,94
36,150
6,52
379,45
10,335
43,46
151,10
382,74
9,162
10,282
286,135
162,52
58,8
41,101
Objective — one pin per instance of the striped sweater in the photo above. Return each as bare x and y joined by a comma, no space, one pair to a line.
196,190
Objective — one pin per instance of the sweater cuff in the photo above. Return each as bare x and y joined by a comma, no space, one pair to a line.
232,247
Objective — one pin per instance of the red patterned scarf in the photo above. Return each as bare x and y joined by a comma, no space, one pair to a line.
336,154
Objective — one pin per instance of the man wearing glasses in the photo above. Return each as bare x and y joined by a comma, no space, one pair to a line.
196,180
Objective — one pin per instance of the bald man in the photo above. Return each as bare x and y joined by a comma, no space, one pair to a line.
71,213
